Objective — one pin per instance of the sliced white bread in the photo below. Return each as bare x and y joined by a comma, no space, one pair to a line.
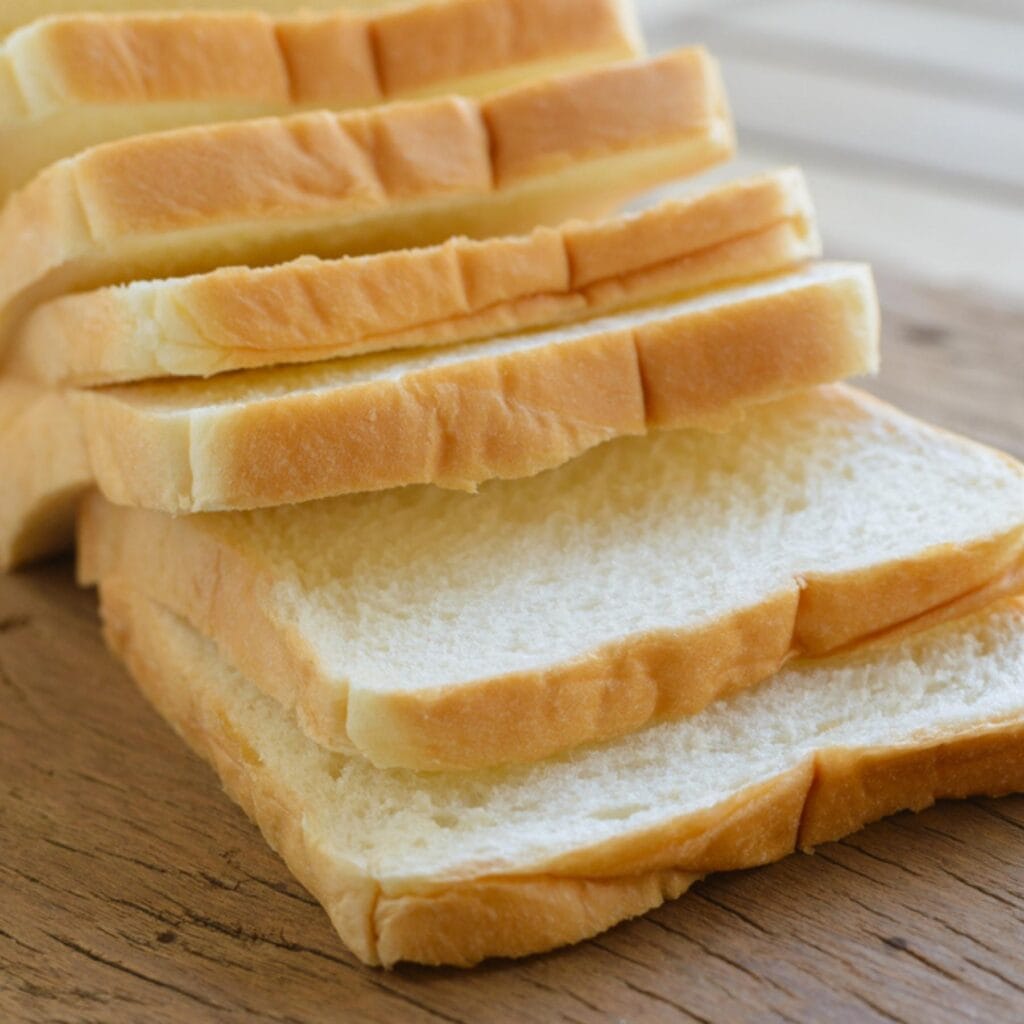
452,869
641,582
459,415
312,309
70,83
323,184
508,406
45,472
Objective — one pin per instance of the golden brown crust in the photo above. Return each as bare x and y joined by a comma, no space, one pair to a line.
823,796
527,125
612,691
46,472
854,787
269,190
704,370
310,309
523,717
490,416
70,83
457,927
14,13
341,58
507,416
943,582
419,47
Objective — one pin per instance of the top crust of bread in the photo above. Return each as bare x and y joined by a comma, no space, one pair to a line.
264,191
14,13
340,58
74,82
310,309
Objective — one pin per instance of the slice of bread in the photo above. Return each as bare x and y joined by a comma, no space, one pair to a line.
70,83
452,869
459,415
641,582
46,472
14,13
312,309
264,191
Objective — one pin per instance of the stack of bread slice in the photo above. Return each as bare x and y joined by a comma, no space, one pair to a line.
513,570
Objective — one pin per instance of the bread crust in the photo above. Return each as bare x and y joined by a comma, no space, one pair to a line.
81,80
823,796
230,596
337,58
46,472
310,309
14,13
502,415
272,189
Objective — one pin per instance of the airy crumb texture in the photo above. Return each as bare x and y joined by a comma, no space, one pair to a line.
640,581
310,309
267,190
944,697
419,588
70,83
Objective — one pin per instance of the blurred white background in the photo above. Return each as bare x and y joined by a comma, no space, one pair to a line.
907,115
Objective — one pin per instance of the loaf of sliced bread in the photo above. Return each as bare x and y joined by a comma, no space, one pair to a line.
70,83
462,414
450,869
45,473
312,309
437,630
323,184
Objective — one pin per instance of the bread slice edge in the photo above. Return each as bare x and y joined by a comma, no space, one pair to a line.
820,799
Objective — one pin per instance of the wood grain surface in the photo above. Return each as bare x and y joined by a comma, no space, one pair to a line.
132,890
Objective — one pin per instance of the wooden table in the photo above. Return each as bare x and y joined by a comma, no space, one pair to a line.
133,890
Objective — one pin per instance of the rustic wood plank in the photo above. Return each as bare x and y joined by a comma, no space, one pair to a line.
133,890
954,357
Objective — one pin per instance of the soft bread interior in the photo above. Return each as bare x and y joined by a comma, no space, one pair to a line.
418,587
596,810
638,582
